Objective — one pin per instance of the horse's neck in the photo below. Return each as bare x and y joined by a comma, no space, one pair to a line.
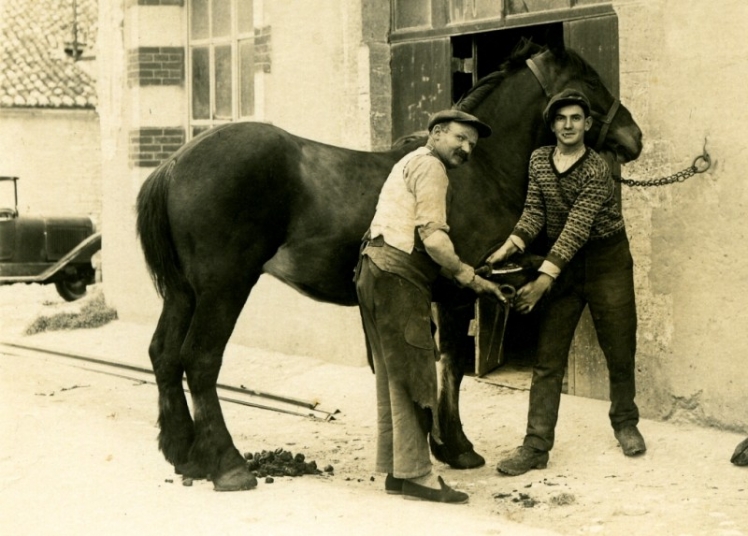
515,112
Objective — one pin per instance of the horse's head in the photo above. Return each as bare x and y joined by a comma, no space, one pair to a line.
613,130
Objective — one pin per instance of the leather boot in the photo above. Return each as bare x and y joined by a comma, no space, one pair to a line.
523,459
631,441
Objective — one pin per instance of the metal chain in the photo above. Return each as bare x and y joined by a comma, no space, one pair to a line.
700,164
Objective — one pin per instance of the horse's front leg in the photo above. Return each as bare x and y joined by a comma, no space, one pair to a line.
213,449
456,348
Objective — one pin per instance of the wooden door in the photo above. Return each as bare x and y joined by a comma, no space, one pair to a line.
596,40
421,83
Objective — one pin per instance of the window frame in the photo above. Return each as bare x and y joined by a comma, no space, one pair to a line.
234,40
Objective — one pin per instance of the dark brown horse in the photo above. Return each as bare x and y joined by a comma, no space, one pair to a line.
249,198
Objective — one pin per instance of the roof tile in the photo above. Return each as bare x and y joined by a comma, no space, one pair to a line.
35,71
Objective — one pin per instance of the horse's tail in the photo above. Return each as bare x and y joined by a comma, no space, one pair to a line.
154,231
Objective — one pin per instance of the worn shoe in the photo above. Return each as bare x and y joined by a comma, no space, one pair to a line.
443,495
631,441
523,459
392,485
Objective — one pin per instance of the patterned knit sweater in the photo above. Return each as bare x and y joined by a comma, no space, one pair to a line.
576,206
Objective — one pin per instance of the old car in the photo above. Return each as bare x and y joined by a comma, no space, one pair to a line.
45,249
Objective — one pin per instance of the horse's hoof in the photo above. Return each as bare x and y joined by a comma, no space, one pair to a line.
238,479
740,456
467,460
190,470
464,460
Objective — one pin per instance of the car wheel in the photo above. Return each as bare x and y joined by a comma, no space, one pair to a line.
71,290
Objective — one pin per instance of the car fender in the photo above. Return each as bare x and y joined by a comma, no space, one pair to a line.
81,253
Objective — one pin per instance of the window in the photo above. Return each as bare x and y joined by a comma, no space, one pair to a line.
220,62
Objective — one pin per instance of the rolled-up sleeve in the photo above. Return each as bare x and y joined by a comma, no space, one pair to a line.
427,179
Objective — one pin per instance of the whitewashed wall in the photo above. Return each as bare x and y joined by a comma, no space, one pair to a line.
56,154
684,69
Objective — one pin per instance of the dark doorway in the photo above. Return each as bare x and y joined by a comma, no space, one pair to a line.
477,55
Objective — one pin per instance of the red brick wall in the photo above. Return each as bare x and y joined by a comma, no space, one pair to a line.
150,146
155,66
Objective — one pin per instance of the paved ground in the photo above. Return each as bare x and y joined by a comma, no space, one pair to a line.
78,454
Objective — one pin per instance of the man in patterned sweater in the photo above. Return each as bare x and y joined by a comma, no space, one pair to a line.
571,193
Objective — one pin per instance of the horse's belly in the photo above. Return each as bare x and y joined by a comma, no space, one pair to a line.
323,277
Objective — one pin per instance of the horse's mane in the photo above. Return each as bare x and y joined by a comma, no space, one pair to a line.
476,94
522,52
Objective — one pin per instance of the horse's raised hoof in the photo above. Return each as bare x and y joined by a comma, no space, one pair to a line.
238,479
190,470
464,460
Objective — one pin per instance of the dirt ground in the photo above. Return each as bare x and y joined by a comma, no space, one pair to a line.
78,454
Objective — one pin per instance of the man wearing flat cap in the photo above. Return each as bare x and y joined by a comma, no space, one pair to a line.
406,248
572,195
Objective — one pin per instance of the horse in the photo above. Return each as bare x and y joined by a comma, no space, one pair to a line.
248,198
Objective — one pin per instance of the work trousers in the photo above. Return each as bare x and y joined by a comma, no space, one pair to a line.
397,321
600,275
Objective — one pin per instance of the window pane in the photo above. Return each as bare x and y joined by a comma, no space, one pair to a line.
200,83
199,19
221,18
244,16
223,83
246,78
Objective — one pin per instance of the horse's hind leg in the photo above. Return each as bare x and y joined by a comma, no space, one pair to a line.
176,428
217,308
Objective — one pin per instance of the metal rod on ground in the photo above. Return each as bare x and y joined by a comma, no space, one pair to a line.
251,392
328,417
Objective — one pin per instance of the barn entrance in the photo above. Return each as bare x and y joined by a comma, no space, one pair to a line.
440,49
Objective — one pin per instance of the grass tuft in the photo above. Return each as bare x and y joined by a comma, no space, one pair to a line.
93,314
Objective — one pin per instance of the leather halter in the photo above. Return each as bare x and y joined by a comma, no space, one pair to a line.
605,121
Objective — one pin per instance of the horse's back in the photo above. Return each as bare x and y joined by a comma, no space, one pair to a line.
292,207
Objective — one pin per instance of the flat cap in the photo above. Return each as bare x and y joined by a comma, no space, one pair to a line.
459,116
563,98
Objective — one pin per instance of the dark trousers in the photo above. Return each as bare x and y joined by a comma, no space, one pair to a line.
397,320
601,276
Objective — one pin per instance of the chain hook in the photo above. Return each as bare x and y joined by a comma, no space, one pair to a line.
705,158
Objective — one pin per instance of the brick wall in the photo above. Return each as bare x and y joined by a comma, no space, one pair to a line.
150,146
158,2
262,49
155,66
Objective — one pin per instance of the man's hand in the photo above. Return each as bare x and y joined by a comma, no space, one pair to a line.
484,286
503,253
529,295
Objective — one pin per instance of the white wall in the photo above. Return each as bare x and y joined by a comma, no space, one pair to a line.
684,67
57,155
